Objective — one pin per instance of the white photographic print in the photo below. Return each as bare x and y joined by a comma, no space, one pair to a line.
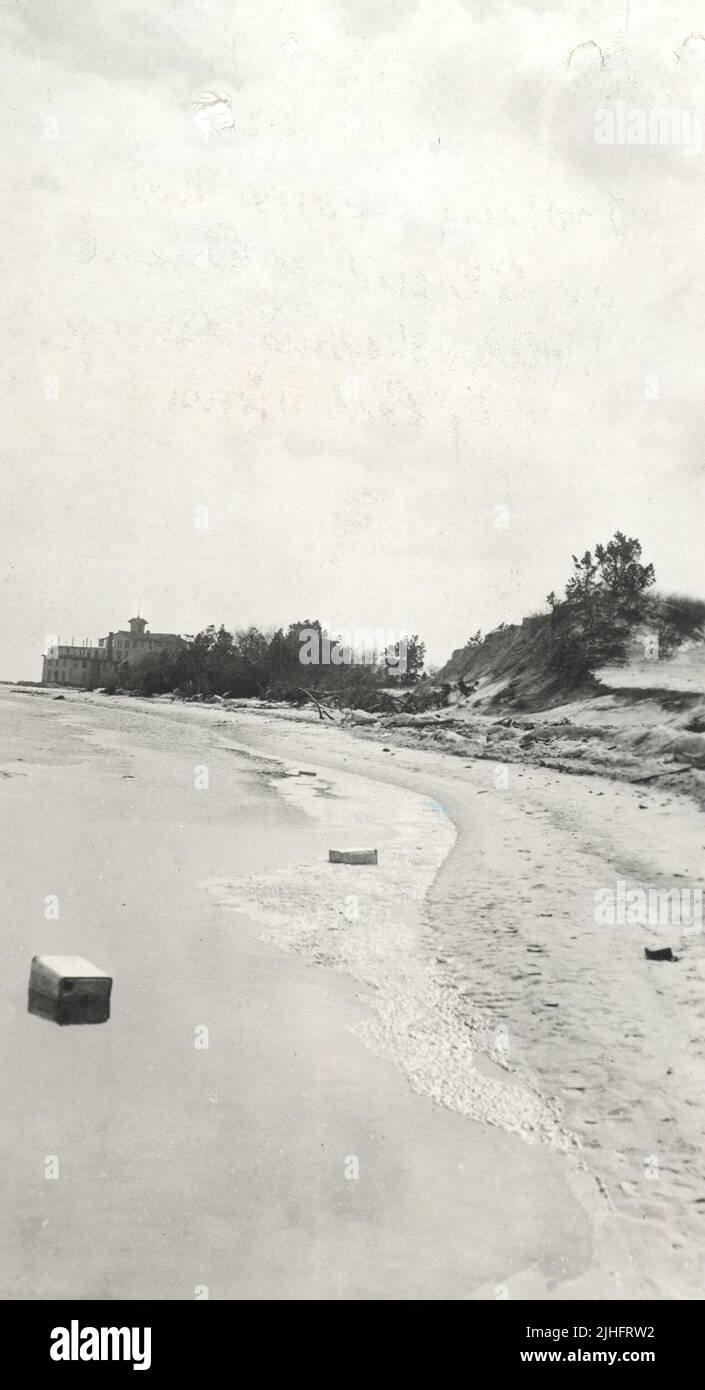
352,701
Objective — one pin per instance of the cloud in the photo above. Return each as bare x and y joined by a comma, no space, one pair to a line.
409,289
117,40
369,20
623,117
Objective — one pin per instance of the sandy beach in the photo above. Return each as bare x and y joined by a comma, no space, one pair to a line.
451,1021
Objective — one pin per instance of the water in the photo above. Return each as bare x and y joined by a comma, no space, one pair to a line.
503,999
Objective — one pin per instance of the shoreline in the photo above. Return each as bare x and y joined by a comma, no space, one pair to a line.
228,1167
369,925
429,1019
624,1112
622,735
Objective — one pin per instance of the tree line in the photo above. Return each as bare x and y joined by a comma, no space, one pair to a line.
273,665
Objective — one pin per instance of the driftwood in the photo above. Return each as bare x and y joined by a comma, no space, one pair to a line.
664,772
322,711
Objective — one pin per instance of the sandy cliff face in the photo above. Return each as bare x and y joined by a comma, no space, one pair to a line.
554,657
525,694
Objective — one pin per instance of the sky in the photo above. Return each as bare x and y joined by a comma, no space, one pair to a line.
376,333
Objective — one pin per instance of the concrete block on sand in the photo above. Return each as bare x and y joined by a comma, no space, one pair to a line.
352,856
663,953
68,989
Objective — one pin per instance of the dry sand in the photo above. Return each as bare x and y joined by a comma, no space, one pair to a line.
436,1078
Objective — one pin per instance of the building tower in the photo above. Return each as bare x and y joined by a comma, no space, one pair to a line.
137,626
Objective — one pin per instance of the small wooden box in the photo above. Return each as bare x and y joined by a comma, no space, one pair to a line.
352,856
68,989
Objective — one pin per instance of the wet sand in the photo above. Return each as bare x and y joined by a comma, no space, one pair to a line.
390,1102
612,1045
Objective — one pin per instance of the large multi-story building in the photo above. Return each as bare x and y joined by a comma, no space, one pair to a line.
89,666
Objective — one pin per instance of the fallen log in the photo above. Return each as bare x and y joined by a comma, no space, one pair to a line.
322,711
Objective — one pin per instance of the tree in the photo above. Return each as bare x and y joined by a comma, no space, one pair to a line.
252,646
621,571
288,652
219,660
403,661
250,664
415,657
583,583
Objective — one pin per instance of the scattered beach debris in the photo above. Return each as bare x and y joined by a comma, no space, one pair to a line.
212,114
352,856
68,989
322,711
363,716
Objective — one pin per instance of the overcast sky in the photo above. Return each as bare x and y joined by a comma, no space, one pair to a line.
405,329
